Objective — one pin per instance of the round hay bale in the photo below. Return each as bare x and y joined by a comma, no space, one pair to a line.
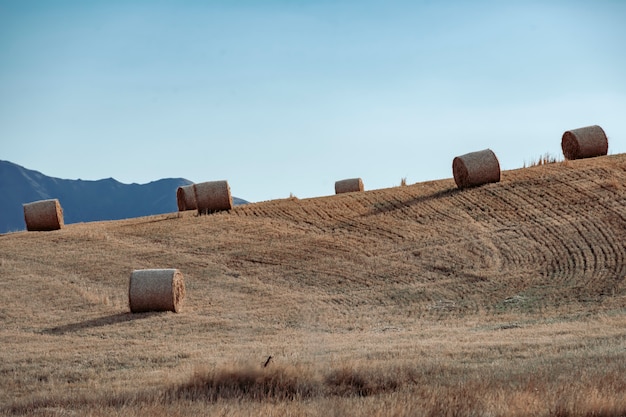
186,198
156,290
43,215
213,196
348,185
476,168
585,142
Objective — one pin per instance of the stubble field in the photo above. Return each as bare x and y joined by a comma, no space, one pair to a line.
423,300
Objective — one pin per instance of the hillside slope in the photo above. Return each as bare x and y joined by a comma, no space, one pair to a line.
329,278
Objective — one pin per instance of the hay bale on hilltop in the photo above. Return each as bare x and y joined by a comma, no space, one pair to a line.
213,196
476,168
348,185
186,198
43,215
585,142
156,290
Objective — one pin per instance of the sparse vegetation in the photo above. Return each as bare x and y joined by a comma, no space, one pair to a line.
502,300
542,160
424,389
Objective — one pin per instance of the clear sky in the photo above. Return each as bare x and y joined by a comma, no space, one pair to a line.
281,97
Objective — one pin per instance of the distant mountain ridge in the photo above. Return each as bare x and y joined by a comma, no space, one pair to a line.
83,201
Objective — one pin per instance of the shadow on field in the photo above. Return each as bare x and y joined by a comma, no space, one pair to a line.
97,322
396,205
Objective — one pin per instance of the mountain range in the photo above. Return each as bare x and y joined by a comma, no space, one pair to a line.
83,201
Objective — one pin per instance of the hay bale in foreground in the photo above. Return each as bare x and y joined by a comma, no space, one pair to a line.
213,196
476,168
585,142
156,290
186,198
43,215
349,185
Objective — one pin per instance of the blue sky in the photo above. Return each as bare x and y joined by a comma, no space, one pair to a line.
282,97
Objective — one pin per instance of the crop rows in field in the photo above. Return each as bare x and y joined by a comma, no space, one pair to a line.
560,226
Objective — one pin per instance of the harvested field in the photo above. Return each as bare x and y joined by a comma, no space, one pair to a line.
507,299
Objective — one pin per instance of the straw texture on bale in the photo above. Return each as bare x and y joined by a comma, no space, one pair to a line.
585,142
43,215
349,185
476,168
186,198
213,196
156,290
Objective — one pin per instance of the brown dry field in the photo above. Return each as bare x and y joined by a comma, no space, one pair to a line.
418,300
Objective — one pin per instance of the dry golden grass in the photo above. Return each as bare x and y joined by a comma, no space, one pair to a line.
542,160
422,300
